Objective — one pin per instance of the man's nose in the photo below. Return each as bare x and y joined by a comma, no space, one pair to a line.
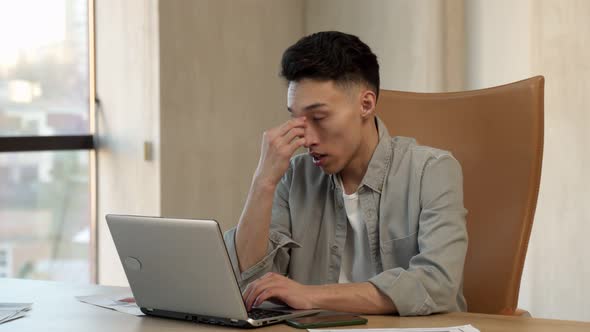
311,137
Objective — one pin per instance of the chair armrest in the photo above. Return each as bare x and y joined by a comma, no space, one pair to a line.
521,313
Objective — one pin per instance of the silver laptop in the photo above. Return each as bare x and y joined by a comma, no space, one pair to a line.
180,269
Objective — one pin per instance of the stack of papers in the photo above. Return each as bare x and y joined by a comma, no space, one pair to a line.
10,311
464,328
122,303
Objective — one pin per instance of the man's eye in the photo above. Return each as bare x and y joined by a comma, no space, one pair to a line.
319,119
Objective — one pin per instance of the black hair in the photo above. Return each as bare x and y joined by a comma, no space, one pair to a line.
331,55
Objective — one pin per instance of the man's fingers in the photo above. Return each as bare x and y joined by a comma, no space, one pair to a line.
265,295
295,122
287,145
254,290
251,298
249,288
248,291
296,144
293,133
258,287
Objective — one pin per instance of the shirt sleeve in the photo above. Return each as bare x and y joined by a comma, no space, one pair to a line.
280,242
433,280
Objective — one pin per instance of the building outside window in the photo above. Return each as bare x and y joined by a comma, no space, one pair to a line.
46,146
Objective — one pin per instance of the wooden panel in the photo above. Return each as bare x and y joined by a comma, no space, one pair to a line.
219,91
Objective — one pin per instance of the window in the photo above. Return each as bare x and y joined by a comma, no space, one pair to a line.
46,142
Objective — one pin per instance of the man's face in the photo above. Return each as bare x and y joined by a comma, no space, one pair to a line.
334,121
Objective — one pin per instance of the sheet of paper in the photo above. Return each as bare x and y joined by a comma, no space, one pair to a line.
464,328
122,303
11,311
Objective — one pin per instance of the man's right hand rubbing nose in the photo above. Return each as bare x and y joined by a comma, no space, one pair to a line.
278,146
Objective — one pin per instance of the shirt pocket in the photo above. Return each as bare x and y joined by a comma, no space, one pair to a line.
398,252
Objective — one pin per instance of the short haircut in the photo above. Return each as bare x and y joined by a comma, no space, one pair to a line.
331,55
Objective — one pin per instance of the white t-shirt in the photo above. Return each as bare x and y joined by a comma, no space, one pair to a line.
356,265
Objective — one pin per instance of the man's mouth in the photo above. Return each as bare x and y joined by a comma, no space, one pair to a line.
318,158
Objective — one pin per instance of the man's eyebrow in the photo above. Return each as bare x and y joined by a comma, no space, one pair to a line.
314,106
310,107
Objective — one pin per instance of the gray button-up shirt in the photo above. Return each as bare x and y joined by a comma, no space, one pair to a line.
411,200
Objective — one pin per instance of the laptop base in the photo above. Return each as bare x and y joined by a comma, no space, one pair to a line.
208,319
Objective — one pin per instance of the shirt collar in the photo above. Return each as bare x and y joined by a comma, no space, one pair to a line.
379,163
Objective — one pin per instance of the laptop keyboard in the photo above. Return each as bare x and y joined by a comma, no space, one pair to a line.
262,313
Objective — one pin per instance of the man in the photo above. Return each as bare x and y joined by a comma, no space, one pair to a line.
361,223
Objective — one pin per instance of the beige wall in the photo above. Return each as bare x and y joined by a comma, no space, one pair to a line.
219,91
510,40
127,86
557,272
499,39
420,44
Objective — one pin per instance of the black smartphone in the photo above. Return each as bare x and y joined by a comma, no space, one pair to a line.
312,322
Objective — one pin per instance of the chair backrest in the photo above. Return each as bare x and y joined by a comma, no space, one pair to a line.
497,136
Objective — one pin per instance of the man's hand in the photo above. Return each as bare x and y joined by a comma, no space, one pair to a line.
362,297
278,146
278,289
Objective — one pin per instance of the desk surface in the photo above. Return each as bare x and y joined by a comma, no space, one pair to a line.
56,309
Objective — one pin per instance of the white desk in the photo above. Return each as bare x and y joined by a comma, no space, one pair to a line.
56,309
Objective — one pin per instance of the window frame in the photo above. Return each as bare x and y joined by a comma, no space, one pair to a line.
73,142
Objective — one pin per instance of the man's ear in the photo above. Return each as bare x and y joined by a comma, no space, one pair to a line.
368,103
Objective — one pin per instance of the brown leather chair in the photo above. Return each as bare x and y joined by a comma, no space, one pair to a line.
497,136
